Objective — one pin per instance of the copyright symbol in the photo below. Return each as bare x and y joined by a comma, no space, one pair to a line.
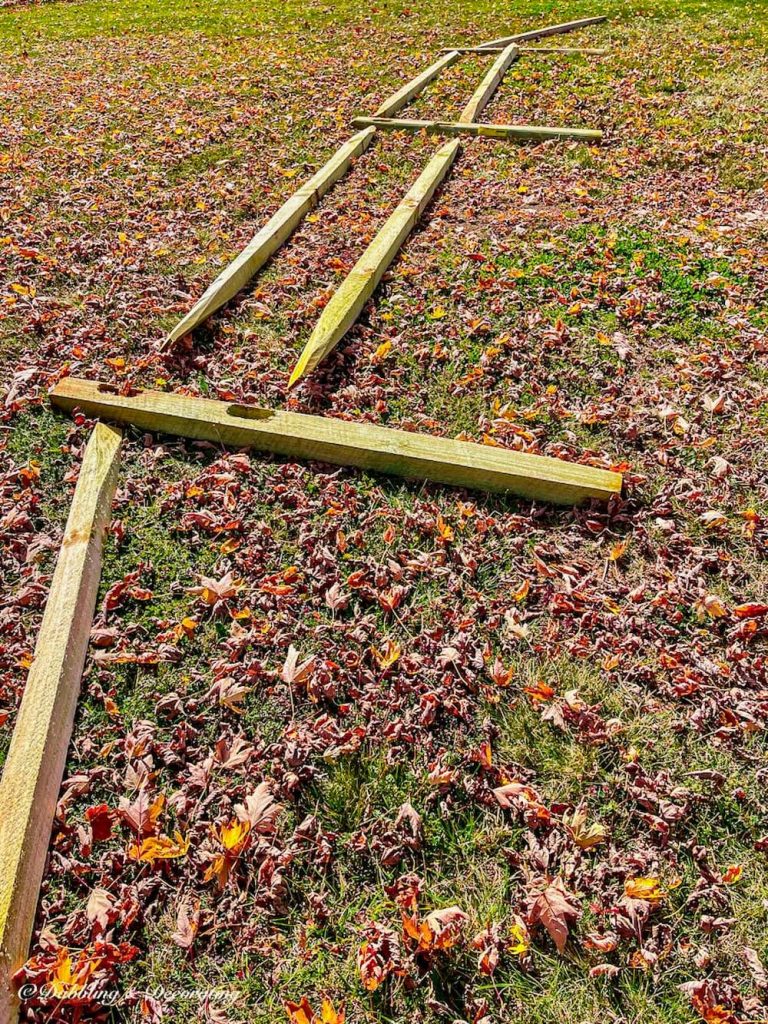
27,991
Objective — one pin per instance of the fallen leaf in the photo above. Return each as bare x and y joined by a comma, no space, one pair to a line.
553,908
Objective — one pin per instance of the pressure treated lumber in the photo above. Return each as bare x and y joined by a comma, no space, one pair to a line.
591,50
508,132
29,787
296,435
404,95
484,92
348,301
268,240
542,33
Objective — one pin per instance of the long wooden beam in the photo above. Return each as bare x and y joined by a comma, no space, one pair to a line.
404,95
348,301
490,83
34,768
269,239
591,50
508,132
295,435
542,33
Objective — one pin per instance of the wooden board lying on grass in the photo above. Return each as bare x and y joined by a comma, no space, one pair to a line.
594,51
30,783
295,435
508,132
269,239
399,99
490,83
542,33
349,299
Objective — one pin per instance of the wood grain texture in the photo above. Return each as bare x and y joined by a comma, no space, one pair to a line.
268,240
594,51
505,132
404,95
490,83
352,294
542,33
29,787
295,435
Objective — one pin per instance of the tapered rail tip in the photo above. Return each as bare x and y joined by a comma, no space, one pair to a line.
301,367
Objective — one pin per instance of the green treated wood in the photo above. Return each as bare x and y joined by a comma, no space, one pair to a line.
268,240
507,132
490,83
404,95
542,33
348,301
296,435
32,775
593,51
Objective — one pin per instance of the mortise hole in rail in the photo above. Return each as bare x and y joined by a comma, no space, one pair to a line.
250,412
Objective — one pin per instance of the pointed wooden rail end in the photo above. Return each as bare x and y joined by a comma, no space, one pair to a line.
544,31
350,298
412,89
268,240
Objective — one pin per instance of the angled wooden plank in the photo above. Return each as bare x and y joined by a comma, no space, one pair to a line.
296,435
269,239
594,51
546,30
30,783
404,95
506,132
352,294
482,95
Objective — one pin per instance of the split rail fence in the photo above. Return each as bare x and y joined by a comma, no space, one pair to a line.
36,759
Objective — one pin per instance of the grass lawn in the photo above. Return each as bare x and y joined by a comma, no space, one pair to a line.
506,762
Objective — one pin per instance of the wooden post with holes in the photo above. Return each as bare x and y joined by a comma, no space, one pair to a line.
30,783
296,435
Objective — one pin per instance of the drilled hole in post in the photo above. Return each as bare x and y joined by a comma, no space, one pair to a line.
250,412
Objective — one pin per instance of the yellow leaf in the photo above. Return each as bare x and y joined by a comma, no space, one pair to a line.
445,531
390,653
329,1015
438,313
159,848
648,889
519,939
234,834
712,606
381,352
585,836
618,550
